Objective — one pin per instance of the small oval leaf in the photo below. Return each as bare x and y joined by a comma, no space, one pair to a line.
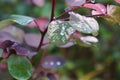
52,61
19,67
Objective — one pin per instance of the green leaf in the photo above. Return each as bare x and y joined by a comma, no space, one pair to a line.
5,23
84,24
1,51
19,67
20,19
59,32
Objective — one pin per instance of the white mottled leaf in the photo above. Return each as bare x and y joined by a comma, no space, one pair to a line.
84,24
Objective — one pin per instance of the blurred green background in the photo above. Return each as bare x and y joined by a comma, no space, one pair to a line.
95,63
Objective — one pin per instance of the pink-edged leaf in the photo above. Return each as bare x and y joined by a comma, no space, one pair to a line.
118,1
22,50
39,2
99,8
52,61
75,2
33,40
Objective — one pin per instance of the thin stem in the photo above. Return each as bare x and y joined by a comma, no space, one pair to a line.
98,15
53,10
43,34
68,11
41,41
51,19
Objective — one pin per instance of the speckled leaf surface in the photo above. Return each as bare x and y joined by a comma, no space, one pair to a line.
59,32
19,67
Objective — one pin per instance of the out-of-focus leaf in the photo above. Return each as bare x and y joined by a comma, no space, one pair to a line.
6,44
113,14
118,1
19,67
84,24
39,2
52,61
23,51
20,19
51,76
59,32
1,52
5,23
6,36
33,40
75,2
16,32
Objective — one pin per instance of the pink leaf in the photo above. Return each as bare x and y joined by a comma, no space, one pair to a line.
99,8
75,2
118,1
42,23
39,2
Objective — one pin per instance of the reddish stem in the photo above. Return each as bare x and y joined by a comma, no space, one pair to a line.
53,10
68,11
51,19
43,34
